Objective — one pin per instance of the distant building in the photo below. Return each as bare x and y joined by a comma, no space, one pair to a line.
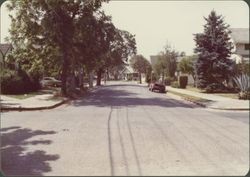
154,59
240,39
129,74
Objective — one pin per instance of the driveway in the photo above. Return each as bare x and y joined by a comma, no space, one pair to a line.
124,129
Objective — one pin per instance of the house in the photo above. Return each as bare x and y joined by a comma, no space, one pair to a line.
154,59
5,49
240,39
129,74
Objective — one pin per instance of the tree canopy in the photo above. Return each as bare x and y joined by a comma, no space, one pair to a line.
141,65
166,64
187,65
59,37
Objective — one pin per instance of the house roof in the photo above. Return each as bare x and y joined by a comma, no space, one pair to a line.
240,35
5,48
128,69
153,59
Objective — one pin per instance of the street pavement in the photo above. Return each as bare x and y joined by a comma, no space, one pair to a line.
124,129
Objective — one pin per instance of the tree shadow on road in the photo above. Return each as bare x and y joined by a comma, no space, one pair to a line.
108,96
15,160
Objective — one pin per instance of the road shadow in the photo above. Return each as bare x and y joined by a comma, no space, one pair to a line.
15,160
113,95
124,85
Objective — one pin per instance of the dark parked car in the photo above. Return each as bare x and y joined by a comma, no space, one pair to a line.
157,86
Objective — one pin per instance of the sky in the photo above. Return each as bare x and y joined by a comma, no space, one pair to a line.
156,23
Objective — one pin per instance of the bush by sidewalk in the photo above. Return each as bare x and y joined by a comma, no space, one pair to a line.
17,82
175,84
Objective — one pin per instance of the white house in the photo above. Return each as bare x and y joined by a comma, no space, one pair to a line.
129,74
240,39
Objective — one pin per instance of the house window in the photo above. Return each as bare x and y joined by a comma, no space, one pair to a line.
247,46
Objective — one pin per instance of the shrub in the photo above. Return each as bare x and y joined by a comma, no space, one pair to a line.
175,84
13,82
244,95
216,88
183,80
167,81
243,83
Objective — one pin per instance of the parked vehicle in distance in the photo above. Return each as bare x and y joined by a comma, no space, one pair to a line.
50,82
157,86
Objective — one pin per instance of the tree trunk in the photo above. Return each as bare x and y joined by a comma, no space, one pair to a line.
64,74
91,79
107,74
99,77
80,78
140,77
162,77
194,78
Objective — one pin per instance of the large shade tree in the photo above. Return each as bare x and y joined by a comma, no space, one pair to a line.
62,37
121,48
213,48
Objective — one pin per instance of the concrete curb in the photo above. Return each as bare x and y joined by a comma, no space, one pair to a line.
34,108
211,107
197,103
230,109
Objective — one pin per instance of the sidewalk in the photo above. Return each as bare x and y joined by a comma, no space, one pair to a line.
216,102
39,102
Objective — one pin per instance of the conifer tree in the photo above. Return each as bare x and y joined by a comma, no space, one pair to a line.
213,47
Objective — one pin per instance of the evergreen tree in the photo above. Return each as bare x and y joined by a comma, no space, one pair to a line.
213,47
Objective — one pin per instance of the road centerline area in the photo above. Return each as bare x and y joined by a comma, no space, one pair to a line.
124,129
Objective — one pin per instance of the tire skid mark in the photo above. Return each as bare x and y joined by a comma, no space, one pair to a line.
197,148
132,140
167,138
217,145
133,144
122,145
213,139
111,160
218,130
214,122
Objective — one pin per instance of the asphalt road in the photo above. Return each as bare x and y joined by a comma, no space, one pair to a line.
124,129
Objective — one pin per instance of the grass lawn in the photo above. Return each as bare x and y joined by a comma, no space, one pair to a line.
24,96
228,95
192,98
194,89
28,95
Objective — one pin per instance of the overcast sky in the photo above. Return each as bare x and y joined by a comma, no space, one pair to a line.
156,22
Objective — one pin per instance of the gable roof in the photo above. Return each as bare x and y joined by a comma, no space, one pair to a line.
240,35
5,48
128,69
